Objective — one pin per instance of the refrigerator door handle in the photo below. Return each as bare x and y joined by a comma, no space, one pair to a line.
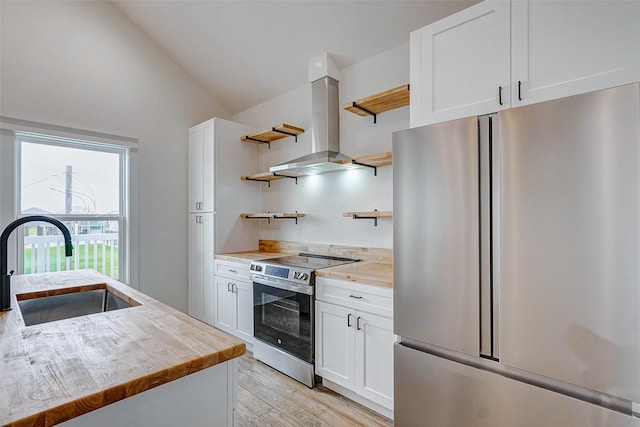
487,131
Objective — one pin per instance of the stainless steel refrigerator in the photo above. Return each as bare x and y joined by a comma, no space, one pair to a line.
517,266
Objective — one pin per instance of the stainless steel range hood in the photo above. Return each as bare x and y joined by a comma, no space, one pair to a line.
325,135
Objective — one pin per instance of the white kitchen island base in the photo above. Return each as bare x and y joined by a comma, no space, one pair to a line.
204,398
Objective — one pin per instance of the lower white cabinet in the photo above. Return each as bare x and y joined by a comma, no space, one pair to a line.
233,299
354,348
201,267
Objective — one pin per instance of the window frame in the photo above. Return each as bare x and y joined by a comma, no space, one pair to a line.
123,202
14,131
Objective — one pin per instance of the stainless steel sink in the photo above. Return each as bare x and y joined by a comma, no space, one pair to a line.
73,304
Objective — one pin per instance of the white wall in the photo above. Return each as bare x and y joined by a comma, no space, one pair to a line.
84,65
323,198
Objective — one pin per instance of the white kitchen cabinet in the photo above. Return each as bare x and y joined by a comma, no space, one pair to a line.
233,299
374,353
201,165
563,48
234,307
200,270
501,54
354,339
216,199
459,64
335,343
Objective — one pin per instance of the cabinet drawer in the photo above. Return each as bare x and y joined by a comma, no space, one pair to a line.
233,270
359,296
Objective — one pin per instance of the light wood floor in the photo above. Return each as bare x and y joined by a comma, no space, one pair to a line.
268,398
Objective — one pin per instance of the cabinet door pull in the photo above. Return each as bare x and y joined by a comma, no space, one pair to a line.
349,320
358,323
519,90
233,271
355,296
500,95
234,288
228,286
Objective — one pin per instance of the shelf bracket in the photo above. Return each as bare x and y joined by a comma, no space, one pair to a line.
286,176
259,180
364,110
286,133
287,217
375,168
374,218
258,140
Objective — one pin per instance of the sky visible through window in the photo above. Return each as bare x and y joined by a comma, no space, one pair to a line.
94,184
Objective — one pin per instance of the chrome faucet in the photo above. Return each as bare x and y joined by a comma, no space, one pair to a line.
5,284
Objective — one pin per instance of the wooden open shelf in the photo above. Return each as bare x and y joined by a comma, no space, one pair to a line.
369,214
372,160
379,159
267,177
374,215
380,102
280,131
272,215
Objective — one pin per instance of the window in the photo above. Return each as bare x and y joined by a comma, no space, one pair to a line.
83,184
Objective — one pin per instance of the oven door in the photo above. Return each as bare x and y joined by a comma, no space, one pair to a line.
283,318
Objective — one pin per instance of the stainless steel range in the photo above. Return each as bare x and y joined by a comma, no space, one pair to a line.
283,312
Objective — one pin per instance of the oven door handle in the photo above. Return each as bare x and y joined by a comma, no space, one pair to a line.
303,289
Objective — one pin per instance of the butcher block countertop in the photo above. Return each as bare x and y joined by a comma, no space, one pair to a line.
55,371
368,272
248,256
371,273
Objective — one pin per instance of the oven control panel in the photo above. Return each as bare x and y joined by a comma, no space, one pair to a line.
282,273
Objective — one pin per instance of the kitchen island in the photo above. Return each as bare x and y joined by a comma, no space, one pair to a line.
148,364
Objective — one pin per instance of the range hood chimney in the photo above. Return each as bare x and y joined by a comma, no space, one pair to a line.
325,134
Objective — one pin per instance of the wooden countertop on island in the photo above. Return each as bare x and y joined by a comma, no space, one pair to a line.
53,372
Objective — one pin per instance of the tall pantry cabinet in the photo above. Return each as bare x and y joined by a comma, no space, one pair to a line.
217,158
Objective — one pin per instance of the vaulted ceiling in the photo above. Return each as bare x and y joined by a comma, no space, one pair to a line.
247,52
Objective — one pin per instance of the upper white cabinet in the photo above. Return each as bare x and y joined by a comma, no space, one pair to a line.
501,54
201,161
460,65
563,48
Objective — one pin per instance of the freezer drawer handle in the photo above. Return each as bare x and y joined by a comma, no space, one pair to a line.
355,296
349,320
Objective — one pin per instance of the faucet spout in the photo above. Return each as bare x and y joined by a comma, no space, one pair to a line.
5,284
